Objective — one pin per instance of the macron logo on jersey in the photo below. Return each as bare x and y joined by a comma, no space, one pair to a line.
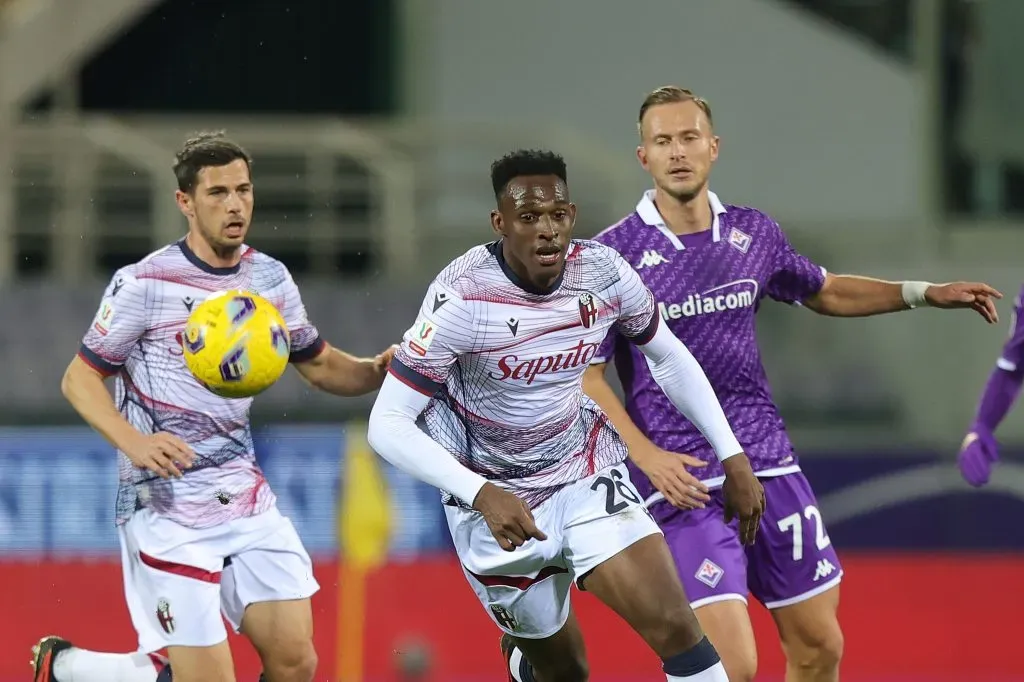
650,259
741,293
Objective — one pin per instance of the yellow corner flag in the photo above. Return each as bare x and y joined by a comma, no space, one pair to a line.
364,533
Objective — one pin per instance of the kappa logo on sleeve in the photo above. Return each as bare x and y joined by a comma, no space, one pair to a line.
104,318
421,336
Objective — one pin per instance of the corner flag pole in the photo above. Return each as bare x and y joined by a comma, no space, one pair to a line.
364,533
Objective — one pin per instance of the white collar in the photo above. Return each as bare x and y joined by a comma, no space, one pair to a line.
648,213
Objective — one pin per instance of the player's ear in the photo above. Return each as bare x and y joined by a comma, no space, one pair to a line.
714,147
572,215
497,223
641,156
184,204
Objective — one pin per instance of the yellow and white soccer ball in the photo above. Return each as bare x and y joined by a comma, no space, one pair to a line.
236,344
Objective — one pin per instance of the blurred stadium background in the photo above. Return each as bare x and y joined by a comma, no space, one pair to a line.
884,135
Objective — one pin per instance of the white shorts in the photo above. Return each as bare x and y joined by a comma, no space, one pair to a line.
527,591
178,580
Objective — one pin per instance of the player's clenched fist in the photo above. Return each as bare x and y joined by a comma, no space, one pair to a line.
743,496
162,453
509,519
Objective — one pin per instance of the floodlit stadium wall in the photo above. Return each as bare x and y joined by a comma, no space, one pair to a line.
931,589
781,82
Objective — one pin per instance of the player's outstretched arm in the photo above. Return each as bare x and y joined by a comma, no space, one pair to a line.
162,453
855,296
683,380
980,451
393,433
335,371
667,470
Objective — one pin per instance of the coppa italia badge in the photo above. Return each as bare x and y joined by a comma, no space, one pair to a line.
588,310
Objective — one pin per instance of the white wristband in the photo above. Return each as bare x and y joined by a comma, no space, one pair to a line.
913,293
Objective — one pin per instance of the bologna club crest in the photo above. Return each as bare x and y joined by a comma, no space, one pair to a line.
163,615
588,310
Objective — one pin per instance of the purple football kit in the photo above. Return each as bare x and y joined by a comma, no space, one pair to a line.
708,286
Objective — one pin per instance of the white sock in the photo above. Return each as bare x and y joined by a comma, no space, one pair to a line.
514,661
715,673
79,665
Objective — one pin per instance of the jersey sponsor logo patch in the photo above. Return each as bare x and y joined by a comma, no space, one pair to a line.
421,337
515,368
740,240
736,295
709,573
104,318
588,310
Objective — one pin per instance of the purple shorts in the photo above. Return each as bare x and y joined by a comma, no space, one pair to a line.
791,560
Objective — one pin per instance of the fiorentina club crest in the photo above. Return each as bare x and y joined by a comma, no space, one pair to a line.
739,240
588,310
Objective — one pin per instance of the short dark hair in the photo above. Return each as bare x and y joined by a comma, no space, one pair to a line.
672,94
525,162
205,149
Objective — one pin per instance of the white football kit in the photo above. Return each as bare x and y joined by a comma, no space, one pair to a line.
214,538
496,367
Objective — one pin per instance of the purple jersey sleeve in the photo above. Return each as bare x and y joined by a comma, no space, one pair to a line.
306,343
1012,357
794,277
443,331
638,318
119,323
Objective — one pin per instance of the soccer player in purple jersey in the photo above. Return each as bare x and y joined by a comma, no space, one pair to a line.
710,265
200,531
980,450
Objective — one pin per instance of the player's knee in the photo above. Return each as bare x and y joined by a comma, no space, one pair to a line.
295,665
740,666
674,631
821,650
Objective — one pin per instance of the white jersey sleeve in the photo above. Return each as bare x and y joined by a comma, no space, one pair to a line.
638,311
394,433
306,343
119,323
443,331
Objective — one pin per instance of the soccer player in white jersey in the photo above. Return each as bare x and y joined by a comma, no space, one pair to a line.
536,492
199,527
